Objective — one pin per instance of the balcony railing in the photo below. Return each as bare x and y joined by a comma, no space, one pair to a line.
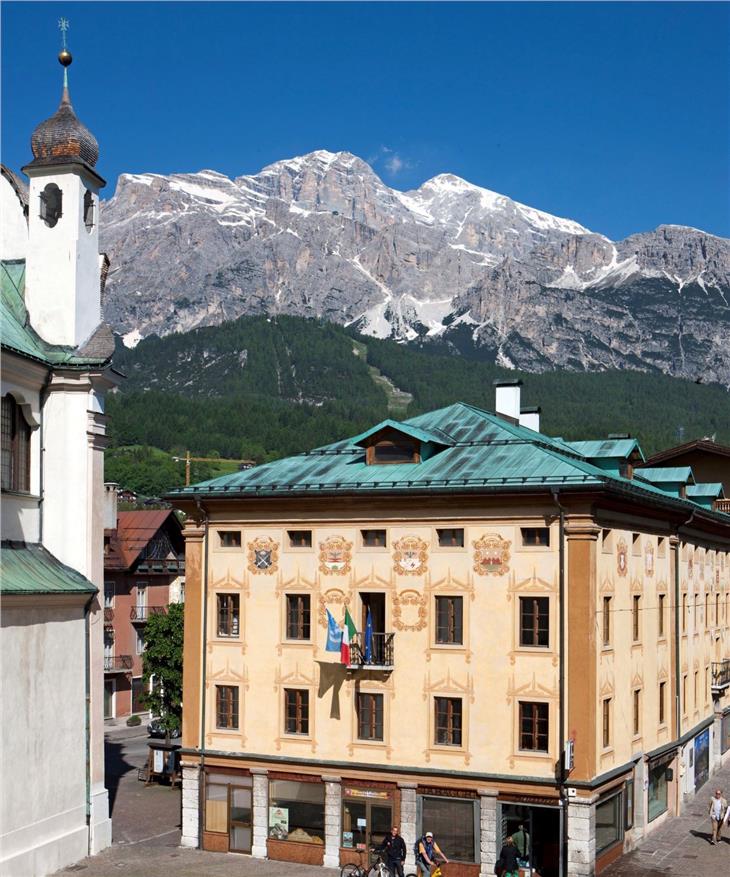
108,615
378,656
723,505
142,613
721,675
117,663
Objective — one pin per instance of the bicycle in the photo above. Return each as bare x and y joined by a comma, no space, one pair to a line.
436,872
377,869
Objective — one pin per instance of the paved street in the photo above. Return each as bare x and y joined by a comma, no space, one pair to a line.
146,825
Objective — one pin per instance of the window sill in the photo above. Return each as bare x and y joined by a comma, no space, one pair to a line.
540,754
535,650
449,647
297,642
448,747
607,650
21,494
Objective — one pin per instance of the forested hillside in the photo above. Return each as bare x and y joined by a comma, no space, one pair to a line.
260,388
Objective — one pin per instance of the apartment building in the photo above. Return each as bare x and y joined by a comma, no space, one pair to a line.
548,646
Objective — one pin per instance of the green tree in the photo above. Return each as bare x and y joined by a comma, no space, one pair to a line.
162,662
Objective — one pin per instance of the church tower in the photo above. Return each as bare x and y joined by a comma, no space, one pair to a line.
63,265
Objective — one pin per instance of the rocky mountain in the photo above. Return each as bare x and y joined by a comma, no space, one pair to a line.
322,236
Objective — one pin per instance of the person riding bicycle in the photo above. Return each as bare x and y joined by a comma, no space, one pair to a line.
393,849
428,849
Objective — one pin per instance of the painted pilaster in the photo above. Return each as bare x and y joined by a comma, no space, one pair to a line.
190,806
487,831
716,743
332,820
408,817
582,837
641,799
260,811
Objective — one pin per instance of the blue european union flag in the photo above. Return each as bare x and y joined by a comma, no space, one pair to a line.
334,634
369,639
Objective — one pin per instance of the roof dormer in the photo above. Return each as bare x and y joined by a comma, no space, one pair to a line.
391,442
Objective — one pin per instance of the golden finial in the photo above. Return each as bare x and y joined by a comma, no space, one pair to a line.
64,56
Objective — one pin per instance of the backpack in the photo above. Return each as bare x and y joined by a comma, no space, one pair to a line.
416,851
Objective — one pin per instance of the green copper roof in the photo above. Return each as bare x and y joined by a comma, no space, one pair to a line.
612,449
667,475
31,569
711,489
482,452
406,428
17,334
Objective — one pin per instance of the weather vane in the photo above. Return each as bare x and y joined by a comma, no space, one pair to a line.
63,27
64,56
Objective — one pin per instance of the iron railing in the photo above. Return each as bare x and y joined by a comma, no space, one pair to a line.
723,505
377,654
142,613
720,674
117,663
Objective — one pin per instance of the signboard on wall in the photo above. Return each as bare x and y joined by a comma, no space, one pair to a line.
279,822
702,758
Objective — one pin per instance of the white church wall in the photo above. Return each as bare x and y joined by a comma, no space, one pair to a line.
13,227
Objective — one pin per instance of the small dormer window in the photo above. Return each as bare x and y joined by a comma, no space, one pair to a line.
394,450
88,210
51,203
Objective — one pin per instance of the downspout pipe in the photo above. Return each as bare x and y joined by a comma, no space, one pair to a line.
561,678
43,396
87,714
677,638
201,778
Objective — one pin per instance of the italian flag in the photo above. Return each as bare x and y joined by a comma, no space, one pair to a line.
348,634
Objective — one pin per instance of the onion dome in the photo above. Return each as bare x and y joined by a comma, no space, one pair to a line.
62,138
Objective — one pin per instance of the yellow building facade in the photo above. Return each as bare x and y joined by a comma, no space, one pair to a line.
546,656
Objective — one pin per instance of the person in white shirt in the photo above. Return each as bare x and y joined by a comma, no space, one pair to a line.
717,811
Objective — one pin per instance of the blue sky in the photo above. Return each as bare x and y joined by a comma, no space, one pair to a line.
616,115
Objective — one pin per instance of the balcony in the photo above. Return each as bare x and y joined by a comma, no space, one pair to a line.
380,656
720,675
723,505
140,614
117,663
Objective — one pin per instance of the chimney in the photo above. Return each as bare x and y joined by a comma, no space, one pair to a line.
530,417
507,399
110,505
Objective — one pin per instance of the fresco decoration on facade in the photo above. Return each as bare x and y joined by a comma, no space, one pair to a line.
410,556
649,558
409,610
690,564
491,555
335,556
263,555
622,557
336,600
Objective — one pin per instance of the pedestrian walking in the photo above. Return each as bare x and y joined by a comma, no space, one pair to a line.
718,812
508,859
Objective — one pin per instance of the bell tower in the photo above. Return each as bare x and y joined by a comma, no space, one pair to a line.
62,291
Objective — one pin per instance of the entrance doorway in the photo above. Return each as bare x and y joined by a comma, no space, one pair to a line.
367,816
536,832
240,823
109,689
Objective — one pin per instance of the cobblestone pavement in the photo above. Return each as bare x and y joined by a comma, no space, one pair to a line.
681,847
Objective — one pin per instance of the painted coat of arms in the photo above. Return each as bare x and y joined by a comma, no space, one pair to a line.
410,556
622,557
335,554
491,555
649,559
263,555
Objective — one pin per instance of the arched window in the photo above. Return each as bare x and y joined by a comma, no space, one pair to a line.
51,203
88,210
15,446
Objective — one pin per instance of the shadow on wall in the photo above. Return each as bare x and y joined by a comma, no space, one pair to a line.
115,767
331,676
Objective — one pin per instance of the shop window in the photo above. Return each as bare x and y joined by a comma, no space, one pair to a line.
657,790
450,620
15,447
535,537
228,615
296,711
51,205
226,706
216,803
636,618
300,538
534,725
298,616
606,722
229,538
296,811
374,538
609,823
451,538
456,819
606,621
448,721
370,716
535,621
662,602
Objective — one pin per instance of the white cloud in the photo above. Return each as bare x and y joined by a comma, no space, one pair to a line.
391,160
394,163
